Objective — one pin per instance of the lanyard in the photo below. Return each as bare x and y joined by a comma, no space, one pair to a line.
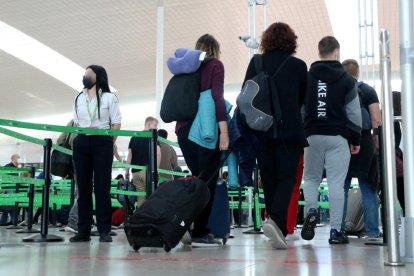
92,116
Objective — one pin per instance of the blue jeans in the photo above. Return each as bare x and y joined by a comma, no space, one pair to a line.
369,204
4,218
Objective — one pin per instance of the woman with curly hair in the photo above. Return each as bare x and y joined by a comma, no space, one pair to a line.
278,157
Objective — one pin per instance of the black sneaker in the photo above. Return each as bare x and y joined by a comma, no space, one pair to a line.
308,229
80,238
105,237
338,237
206,241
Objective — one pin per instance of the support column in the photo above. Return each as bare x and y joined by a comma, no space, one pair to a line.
159,68
407,76
390,192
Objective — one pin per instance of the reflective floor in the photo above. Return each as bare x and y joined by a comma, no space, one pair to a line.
243,255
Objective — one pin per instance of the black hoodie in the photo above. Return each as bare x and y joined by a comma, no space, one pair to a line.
332,104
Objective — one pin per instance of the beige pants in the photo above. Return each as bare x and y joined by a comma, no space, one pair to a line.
139,179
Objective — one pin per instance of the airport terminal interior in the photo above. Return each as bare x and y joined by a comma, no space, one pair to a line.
55,54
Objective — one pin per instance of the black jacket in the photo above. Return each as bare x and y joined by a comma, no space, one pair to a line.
332,104
291,85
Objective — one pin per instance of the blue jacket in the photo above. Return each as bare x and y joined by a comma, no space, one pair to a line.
245,146
204,130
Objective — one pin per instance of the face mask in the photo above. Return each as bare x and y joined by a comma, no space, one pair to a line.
87,82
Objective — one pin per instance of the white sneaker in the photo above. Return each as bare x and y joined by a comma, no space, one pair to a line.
70,229
373,239
186,239
264,222
292,237
272,231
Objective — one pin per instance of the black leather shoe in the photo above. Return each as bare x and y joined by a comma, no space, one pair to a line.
105,237
80,238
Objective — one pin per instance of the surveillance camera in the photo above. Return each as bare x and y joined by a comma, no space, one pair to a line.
244,38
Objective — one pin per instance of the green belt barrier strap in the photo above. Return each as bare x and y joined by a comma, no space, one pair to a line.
124,165
18,179
22,136
172,173
235,205
321,204
165,141
163,179
6,170
129,193
62,149
54,146
27,138
257,212
78,130
61,182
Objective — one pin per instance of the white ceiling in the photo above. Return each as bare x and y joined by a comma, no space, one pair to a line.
121,36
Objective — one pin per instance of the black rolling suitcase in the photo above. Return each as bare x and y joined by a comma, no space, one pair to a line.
167,214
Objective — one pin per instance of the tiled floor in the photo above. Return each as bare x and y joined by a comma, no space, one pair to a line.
243,255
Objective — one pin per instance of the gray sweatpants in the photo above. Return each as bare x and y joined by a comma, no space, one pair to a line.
73,213
333,154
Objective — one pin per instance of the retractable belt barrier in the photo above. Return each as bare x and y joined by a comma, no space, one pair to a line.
78,130
60,195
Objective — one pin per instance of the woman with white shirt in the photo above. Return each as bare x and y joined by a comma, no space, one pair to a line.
94,107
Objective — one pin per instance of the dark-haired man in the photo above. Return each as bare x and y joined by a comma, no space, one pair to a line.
333,131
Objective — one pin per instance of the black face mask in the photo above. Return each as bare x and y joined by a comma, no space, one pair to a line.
87,82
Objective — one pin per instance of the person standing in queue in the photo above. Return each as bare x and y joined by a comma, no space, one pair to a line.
201,160
278,155
94,107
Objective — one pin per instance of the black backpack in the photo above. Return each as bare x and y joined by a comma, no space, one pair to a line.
61,163
259,102
180,101
366,118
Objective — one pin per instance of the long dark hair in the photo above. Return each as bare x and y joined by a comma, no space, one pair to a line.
101,84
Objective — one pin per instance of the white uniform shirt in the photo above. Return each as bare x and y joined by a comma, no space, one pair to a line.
109,110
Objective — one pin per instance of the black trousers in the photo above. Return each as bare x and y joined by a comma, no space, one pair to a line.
400,193
278,166
202,162
93,156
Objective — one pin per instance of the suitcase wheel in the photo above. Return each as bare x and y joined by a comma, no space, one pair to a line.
166,248
225,241
136,247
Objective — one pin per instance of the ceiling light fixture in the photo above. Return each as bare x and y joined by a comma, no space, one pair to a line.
40,56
